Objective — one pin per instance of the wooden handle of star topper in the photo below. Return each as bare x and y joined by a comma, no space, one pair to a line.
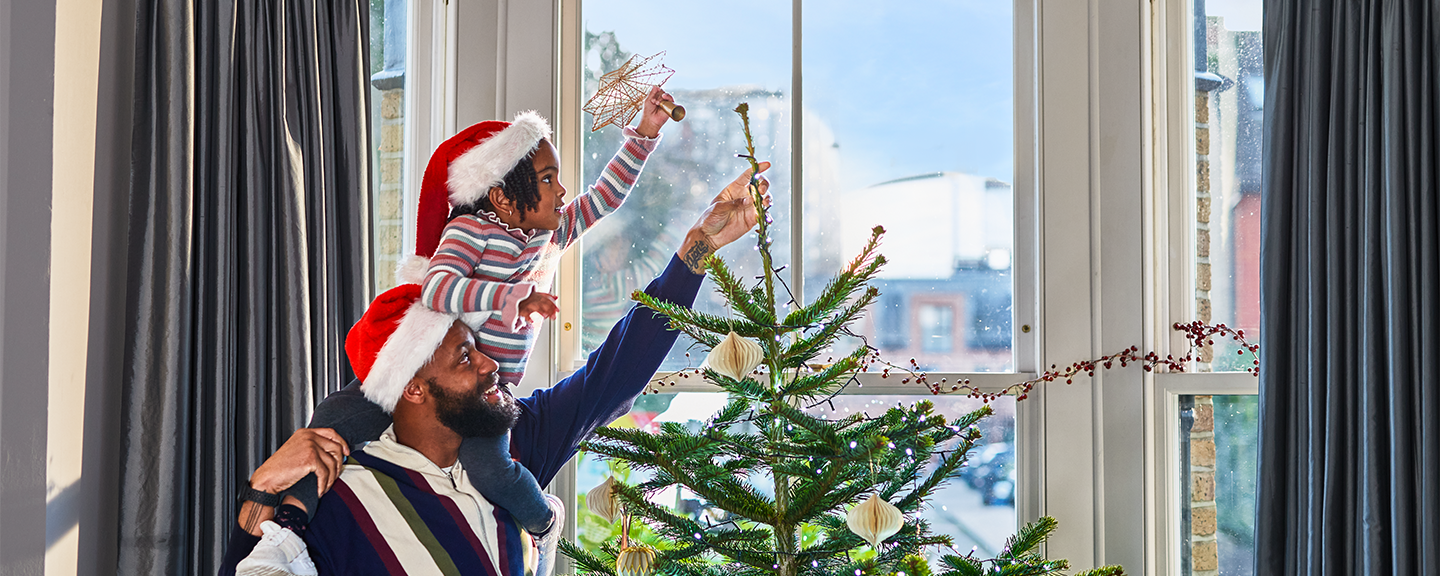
676,111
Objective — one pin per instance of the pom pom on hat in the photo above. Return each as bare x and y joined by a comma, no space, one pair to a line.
461,171
395,337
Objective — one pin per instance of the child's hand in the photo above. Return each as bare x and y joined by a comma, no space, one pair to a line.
538,303
652,116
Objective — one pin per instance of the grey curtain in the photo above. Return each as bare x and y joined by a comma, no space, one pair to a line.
250,180
1350,289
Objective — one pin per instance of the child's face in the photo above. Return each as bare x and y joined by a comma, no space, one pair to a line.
546,215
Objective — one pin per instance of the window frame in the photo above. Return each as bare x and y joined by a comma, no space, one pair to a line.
430,74
1025,262
1025,302
1169,484
1172,88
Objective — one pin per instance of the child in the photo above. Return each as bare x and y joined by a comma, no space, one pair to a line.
492,265
498,252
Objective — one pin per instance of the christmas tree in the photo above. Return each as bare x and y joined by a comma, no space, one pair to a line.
801,494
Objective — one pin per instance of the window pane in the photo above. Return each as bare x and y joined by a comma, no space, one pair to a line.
913,129
388,33
977,509
935,328
1219,451
1229,108
716,69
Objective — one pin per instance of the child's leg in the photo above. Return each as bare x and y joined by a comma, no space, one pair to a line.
355,419
508,349
504,482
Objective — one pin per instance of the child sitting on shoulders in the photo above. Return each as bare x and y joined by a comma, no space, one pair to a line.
498,185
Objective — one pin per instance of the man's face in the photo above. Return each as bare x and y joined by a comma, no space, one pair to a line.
469,398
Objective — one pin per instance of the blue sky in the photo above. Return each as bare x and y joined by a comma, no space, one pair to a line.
906,90
1238,14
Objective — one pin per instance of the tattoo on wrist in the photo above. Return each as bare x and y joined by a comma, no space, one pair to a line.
694,258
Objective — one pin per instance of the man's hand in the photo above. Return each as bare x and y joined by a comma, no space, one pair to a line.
730,215
318,450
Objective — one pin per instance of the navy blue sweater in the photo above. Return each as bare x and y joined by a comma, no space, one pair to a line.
555,420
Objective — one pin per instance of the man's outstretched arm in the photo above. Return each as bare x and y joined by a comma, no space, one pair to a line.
554,421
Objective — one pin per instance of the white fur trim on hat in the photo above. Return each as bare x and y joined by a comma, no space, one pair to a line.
408,349
485,165
412,270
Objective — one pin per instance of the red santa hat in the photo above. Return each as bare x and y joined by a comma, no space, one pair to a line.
395,337
461,171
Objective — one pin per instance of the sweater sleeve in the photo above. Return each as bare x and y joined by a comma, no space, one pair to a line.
609,191
448,286
554,421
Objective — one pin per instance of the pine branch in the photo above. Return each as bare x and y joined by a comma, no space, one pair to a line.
762,213
855,274
742,301
734,410
949,466
1030,536
585,561
810,346
822,381
698,325
1104,571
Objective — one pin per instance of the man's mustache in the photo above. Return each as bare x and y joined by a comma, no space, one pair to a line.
483,383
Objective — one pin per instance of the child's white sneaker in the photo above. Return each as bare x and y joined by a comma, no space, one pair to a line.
279,553
549,544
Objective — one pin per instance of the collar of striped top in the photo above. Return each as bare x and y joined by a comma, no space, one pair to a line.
397,486
391,450
495,218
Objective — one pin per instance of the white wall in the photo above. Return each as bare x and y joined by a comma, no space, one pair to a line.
65,104
27,45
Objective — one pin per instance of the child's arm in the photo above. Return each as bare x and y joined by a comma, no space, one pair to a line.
619,175
448,287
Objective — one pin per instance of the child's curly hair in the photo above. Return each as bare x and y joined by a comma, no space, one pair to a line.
521,186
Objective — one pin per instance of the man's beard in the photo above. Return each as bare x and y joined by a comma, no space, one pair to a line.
469,415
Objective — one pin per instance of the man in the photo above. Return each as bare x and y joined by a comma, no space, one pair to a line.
402,505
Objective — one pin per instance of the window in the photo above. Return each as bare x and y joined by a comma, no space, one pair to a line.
936,328
1218,460
697,158
1229,110
388,37
912,129
1208,442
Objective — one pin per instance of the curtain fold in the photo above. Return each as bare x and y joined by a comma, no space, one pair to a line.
250,178
1350,284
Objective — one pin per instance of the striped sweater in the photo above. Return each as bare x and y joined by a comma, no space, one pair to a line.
415,518
483,268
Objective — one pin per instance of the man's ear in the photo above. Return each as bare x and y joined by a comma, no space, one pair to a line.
414,392
502,203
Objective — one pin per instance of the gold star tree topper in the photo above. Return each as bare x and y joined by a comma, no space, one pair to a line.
622,92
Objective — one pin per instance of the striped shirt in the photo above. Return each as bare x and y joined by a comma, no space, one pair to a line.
413,519
483,268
